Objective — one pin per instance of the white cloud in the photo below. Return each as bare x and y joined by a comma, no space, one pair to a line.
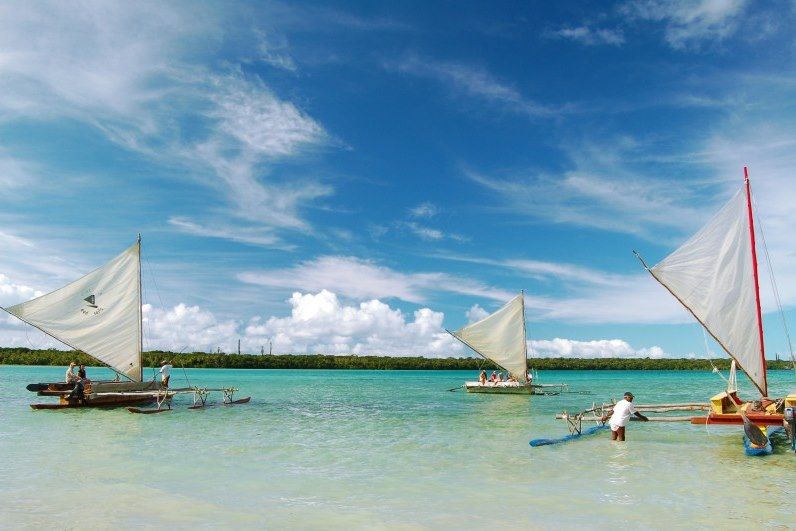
319,323
598,348
152,85
261,123
475,314
690,23
187,328
607,188
590,295
12,293
424,210
356,278
15,173
425,233
251,235
474,82
591,37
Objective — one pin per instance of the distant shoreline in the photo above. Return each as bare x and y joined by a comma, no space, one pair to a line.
25,356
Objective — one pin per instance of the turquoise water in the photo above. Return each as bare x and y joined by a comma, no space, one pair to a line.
383,449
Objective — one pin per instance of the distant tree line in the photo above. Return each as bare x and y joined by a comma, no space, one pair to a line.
25,356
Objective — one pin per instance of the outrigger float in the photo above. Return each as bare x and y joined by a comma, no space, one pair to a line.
200,396
100,314
500,338
596,413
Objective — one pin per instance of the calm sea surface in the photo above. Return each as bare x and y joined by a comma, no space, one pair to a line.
383,449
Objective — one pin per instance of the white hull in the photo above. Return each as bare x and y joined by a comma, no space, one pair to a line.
512,388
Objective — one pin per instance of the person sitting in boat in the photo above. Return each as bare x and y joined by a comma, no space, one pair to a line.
70,373
482,377
493,377
621,415
165,370
78,392
81,373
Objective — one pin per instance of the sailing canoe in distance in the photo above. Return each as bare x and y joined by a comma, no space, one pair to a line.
500,338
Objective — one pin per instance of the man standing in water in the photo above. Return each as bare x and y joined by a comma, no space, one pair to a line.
165,373
621,415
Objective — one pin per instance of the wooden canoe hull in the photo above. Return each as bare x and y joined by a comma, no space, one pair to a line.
734,419
99,401
60,388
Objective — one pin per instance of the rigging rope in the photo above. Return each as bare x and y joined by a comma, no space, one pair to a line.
775,289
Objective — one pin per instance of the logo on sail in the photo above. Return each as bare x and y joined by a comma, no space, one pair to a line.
91,307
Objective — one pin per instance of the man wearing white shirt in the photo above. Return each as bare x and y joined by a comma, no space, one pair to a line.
621,415
165,373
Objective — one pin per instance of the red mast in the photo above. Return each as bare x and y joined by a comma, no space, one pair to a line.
757,282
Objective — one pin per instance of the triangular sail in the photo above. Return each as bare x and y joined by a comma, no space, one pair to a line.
98,313
713,276
500,337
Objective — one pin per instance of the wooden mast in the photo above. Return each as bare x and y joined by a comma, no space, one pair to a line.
757,282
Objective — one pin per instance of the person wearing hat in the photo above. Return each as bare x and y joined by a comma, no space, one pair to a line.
621,415
165,369
70,373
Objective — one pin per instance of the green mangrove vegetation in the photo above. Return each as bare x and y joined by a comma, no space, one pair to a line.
25,356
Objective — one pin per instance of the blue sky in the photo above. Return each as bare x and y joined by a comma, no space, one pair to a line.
346,176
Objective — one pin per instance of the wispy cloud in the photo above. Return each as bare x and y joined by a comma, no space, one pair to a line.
589,36
606,188
138,79
356,278
424,210
586,295
249,235
689,24
475,82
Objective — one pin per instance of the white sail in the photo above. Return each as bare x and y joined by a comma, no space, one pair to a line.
500,337
98,313
712,274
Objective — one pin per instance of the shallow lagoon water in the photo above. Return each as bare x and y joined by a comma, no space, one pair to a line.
383,449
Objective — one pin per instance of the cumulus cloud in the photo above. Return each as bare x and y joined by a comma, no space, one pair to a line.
475,314
187,328
320,323
317,323
357,278
600,348
12,293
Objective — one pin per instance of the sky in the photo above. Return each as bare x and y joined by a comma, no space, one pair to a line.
356,177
